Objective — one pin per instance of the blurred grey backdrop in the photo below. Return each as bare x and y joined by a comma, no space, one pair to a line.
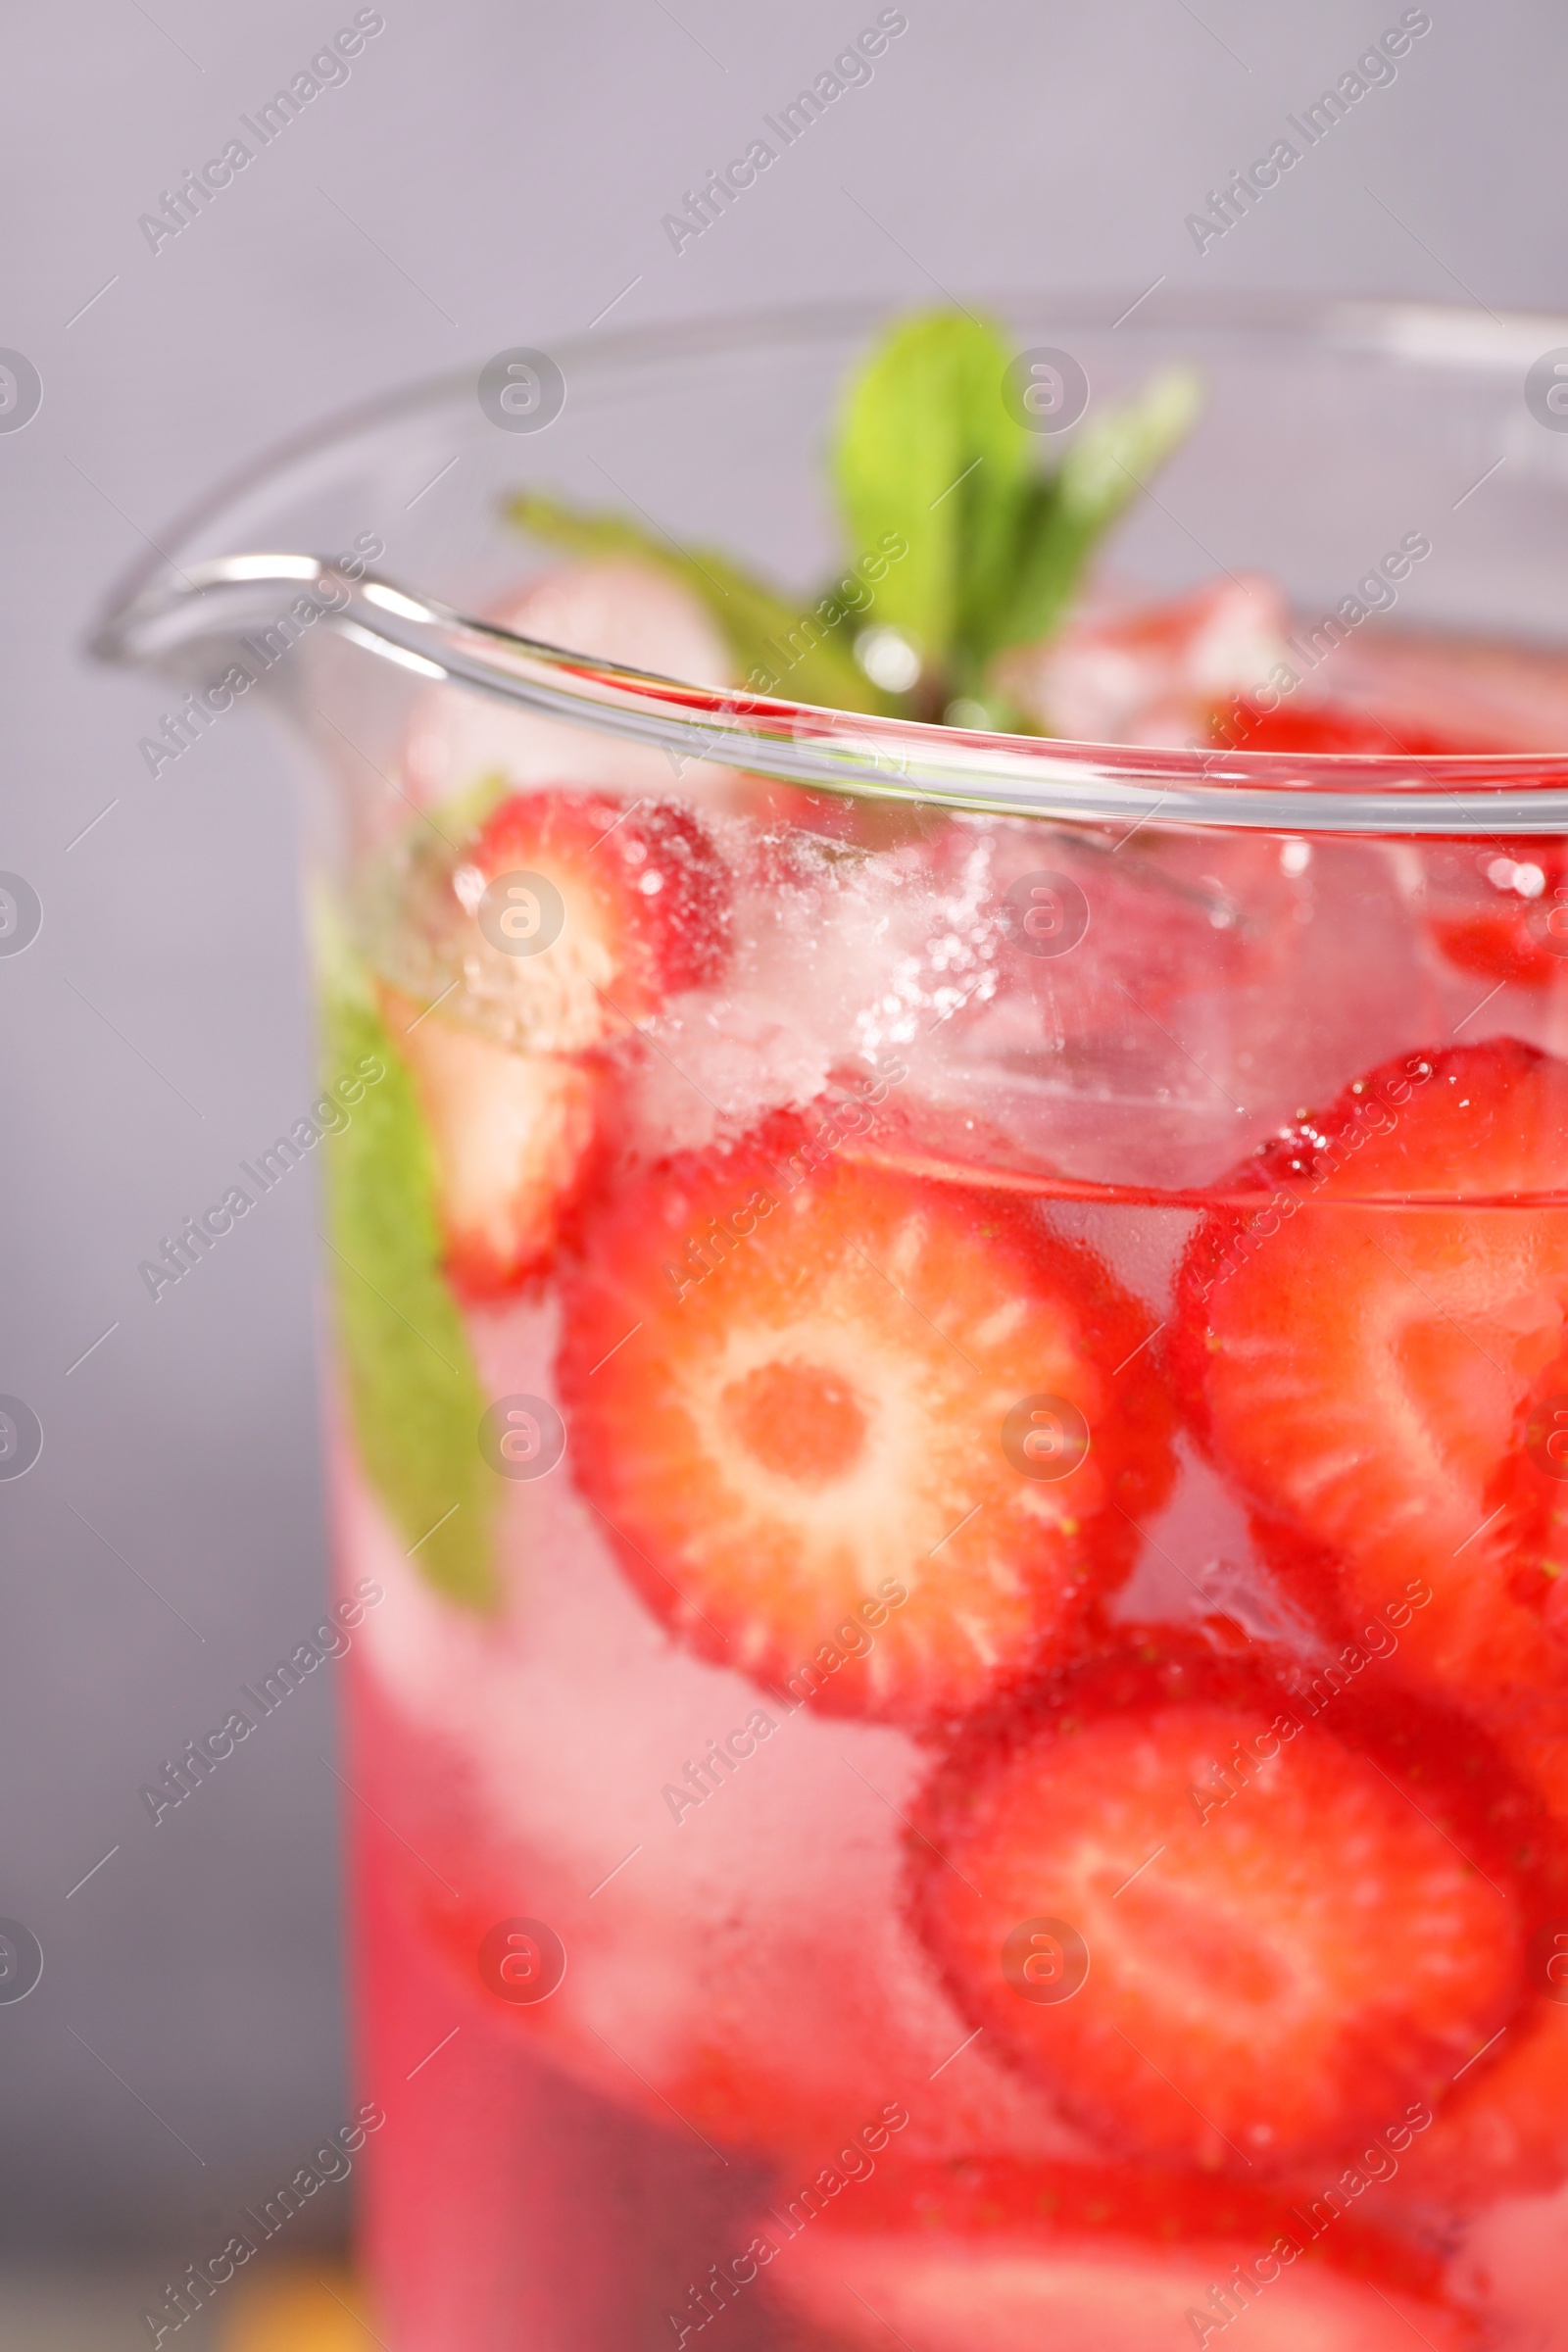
488,176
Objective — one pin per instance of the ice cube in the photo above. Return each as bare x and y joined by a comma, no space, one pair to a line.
1150,674
842,957
1208,987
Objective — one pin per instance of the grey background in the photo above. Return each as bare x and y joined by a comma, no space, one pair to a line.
490,175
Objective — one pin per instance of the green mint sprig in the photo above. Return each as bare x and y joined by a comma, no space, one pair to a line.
929,447
972,547
810,655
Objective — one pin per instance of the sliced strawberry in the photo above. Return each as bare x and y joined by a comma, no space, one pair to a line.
1061,2258
1501,909
836,1416
510,1133
1503,2129
566,919
1245,725
1220,1930
1380,1367
639,910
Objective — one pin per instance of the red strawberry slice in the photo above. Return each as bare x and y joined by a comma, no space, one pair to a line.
871,1439
1500,909
578,913
1245,725
1503,2130
1021,2258
510,1133
567,920
1381,1368
1219,1930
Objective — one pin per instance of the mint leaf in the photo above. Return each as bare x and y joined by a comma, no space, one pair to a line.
805,656
1065,516
928,453
971,548
413,1390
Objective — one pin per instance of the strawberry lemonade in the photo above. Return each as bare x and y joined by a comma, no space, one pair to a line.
964,1427
950,1331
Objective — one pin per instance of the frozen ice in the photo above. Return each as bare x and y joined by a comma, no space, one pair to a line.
1150,674
842,959
1223,984
1217,983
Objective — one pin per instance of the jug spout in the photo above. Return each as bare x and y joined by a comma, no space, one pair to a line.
191,618
230,623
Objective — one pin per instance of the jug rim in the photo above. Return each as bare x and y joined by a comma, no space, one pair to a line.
160,608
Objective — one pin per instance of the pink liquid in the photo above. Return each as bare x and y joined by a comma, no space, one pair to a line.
596,2157
744,1990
